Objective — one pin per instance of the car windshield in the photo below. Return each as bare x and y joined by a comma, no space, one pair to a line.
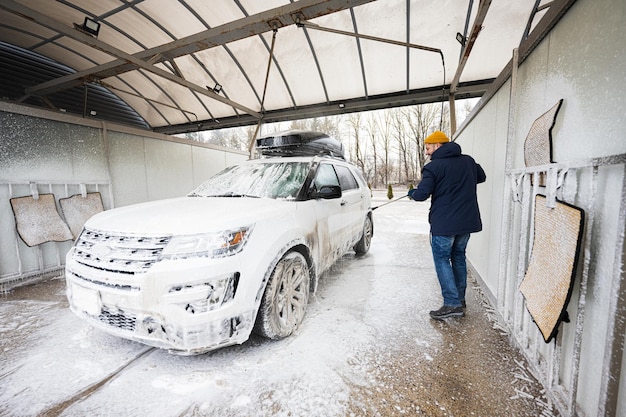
268,180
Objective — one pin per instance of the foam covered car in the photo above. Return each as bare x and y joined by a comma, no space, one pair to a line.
241,253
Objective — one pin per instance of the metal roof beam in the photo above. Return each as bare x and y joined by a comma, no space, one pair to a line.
220,35
483,7
304,23
111,50
383,101
557,10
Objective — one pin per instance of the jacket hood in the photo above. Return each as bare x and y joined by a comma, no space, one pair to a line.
447,150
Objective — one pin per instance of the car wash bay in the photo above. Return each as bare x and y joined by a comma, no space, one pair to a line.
367,348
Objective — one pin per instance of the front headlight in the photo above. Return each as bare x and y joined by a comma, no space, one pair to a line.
209,245
200,297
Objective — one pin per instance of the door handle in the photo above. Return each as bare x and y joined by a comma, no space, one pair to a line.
344,202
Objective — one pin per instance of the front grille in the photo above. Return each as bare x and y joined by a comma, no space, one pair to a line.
115,286
126,254
119,320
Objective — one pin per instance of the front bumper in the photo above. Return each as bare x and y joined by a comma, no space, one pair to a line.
151,309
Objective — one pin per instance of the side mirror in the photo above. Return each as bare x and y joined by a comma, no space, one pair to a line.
328,192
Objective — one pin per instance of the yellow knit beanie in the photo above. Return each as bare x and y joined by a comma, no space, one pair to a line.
437,137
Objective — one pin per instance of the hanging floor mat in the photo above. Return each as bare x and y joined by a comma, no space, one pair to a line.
538,143
547,285
38,220
77,209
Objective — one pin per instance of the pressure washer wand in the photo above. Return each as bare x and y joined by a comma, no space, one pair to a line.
389,202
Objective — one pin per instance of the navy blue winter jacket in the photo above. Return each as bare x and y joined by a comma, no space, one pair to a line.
450,180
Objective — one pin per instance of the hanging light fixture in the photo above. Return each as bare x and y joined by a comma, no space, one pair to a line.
91,27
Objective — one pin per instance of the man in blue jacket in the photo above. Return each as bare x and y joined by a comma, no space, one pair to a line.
450,180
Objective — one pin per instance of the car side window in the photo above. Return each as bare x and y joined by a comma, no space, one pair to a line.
346,179
325,176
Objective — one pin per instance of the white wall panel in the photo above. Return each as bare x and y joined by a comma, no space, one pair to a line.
127,168
169,169
207,163
65,155
581,61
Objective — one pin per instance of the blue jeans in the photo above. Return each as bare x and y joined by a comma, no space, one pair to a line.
449,257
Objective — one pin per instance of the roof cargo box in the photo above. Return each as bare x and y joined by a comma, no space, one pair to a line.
299,143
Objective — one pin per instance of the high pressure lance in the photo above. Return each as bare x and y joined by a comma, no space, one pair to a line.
389,202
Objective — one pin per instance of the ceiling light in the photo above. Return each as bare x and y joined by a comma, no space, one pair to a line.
460,38
91,27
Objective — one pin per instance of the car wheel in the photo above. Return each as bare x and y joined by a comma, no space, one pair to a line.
285,299
363,245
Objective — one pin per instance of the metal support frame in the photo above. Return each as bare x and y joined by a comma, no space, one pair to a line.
546,359
557,10
309,25
614,350
147,59
536,9
372,102
483,7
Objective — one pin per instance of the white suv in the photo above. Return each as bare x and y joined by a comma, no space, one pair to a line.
241,252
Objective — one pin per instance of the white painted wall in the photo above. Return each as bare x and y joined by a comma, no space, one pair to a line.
583,62
59,151
485,140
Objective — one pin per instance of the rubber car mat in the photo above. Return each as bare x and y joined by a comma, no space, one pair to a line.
77,209
38,221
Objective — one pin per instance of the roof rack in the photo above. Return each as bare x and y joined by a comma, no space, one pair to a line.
299,143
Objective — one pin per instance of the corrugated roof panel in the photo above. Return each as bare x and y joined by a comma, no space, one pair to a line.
338,57
139,28
18,38
277,90
496,37
143,107
296,60
147,84
222,67
97,7
217,13
25,68
252,56
112,35
22,32
173,16
61,12
224,36
382,77
256,6
185,99
83,58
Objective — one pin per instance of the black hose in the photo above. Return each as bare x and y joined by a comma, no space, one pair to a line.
389,202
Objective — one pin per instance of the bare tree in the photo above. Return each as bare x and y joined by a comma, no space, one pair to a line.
378,142
424,119
358,156
331,125
371,128
384,121
401,122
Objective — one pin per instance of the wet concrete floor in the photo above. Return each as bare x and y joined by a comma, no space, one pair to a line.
367,348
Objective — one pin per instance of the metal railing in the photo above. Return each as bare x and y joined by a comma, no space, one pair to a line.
557,364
